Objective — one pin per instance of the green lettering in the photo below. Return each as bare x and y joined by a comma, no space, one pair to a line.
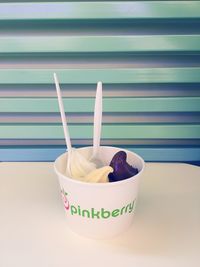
105,213
79,210
95,213
73,210
115,213
86,212
122,210
131,206
126,209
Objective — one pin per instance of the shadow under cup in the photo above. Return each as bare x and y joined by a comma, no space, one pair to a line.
99,210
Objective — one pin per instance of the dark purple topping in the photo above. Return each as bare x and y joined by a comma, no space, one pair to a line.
122,170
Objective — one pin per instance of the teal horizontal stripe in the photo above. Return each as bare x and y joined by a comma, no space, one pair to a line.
137,104
55,143
108,117
149,154
70,44
100,10
90,76
118,131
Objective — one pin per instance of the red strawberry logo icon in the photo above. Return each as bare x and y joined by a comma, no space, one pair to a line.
65,200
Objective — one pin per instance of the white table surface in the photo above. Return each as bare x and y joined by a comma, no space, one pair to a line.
166,230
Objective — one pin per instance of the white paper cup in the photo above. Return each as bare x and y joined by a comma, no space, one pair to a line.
99,210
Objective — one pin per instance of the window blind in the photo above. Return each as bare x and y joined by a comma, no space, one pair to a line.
146,53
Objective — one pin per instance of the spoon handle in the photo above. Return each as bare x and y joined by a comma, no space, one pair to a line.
97,119
62,112
64,121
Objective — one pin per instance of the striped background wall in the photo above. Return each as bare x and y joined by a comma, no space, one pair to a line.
146,53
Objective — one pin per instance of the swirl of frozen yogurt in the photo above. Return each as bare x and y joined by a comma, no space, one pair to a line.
80,166
99,175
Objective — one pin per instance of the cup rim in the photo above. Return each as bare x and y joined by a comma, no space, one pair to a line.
117,183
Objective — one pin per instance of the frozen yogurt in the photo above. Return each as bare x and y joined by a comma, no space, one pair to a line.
122,170
83,169
99,175
80,166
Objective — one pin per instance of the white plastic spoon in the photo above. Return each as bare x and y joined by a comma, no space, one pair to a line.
97,124
64,122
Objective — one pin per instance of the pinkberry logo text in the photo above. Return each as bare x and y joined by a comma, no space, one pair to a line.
101,213
92,213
